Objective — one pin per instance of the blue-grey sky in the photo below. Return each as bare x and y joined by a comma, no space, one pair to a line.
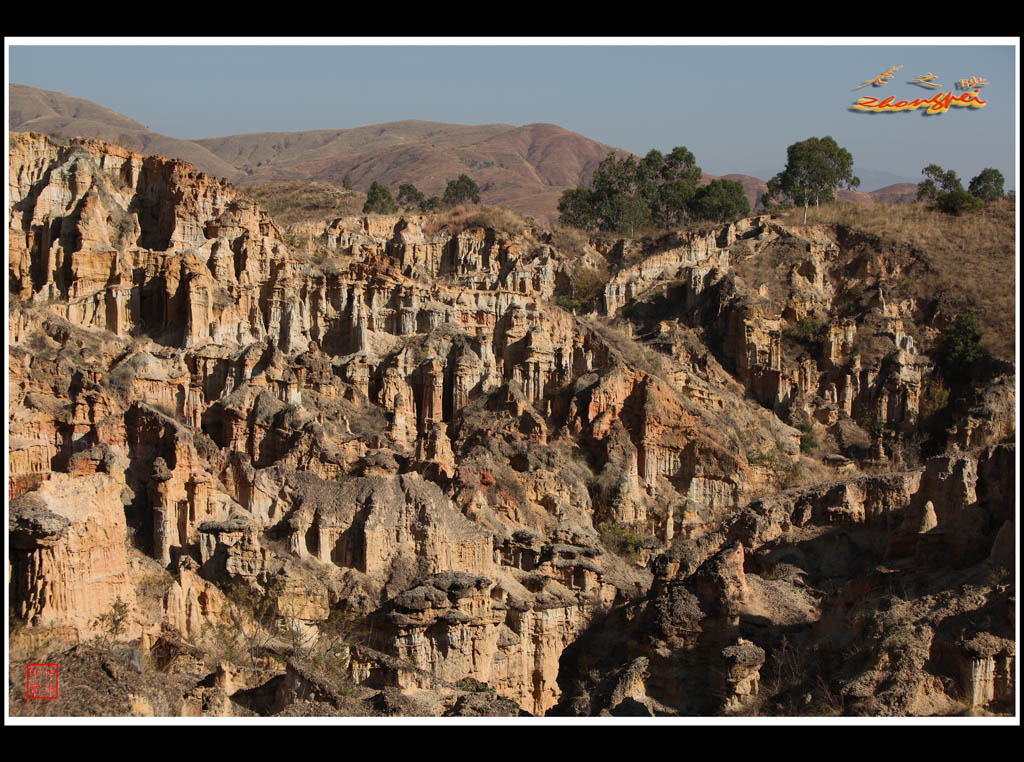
735,107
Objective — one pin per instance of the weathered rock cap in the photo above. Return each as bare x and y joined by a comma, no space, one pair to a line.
233,524
440,591
32,525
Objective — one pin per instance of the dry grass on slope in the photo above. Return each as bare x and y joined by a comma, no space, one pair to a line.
969,260
465,216
300,201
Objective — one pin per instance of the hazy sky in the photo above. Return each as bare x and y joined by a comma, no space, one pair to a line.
736,107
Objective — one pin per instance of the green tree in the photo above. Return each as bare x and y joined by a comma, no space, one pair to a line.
577,208
616,193
770,203
630,213
814,169
958,201
987,185
346,182
627,194
679,176
938,181
410,197
379,200
461,191
720,201
961,348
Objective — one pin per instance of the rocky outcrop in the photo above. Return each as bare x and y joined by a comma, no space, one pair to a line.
68,559
507,634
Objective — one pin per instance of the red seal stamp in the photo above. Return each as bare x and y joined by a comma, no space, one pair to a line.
41,681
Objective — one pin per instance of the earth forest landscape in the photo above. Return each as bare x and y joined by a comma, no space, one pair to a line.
489,381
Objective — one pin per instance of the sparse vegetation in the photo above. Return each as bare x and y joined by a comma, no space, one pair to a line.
326,651
460,218
935,244
943,188
934,415
569,241
586,286
807,439
113,622
473,686
224,642
871,424
809,330
621,541
252,625
35,643
999,576
154,585
293,202
786,472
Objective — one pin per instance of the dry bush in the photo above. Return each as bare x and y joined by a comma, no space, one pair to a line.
585,286
291,202
466,216
151,587
571,242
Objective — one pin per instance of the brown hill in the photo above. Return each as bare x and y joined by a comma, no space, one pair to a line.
523,168
899,193
53,113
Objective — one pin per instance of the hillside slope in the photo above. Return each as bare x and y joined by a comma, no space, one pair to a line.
522,168
49,112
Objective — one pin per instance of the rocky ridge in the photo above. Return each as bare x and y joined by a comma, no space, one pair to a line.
509,507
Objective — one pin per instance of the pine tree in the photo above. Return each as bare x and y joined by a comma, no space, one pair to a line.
379,200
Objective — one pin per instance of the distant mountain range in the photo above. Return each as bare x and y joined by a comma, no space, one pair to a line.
523,168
